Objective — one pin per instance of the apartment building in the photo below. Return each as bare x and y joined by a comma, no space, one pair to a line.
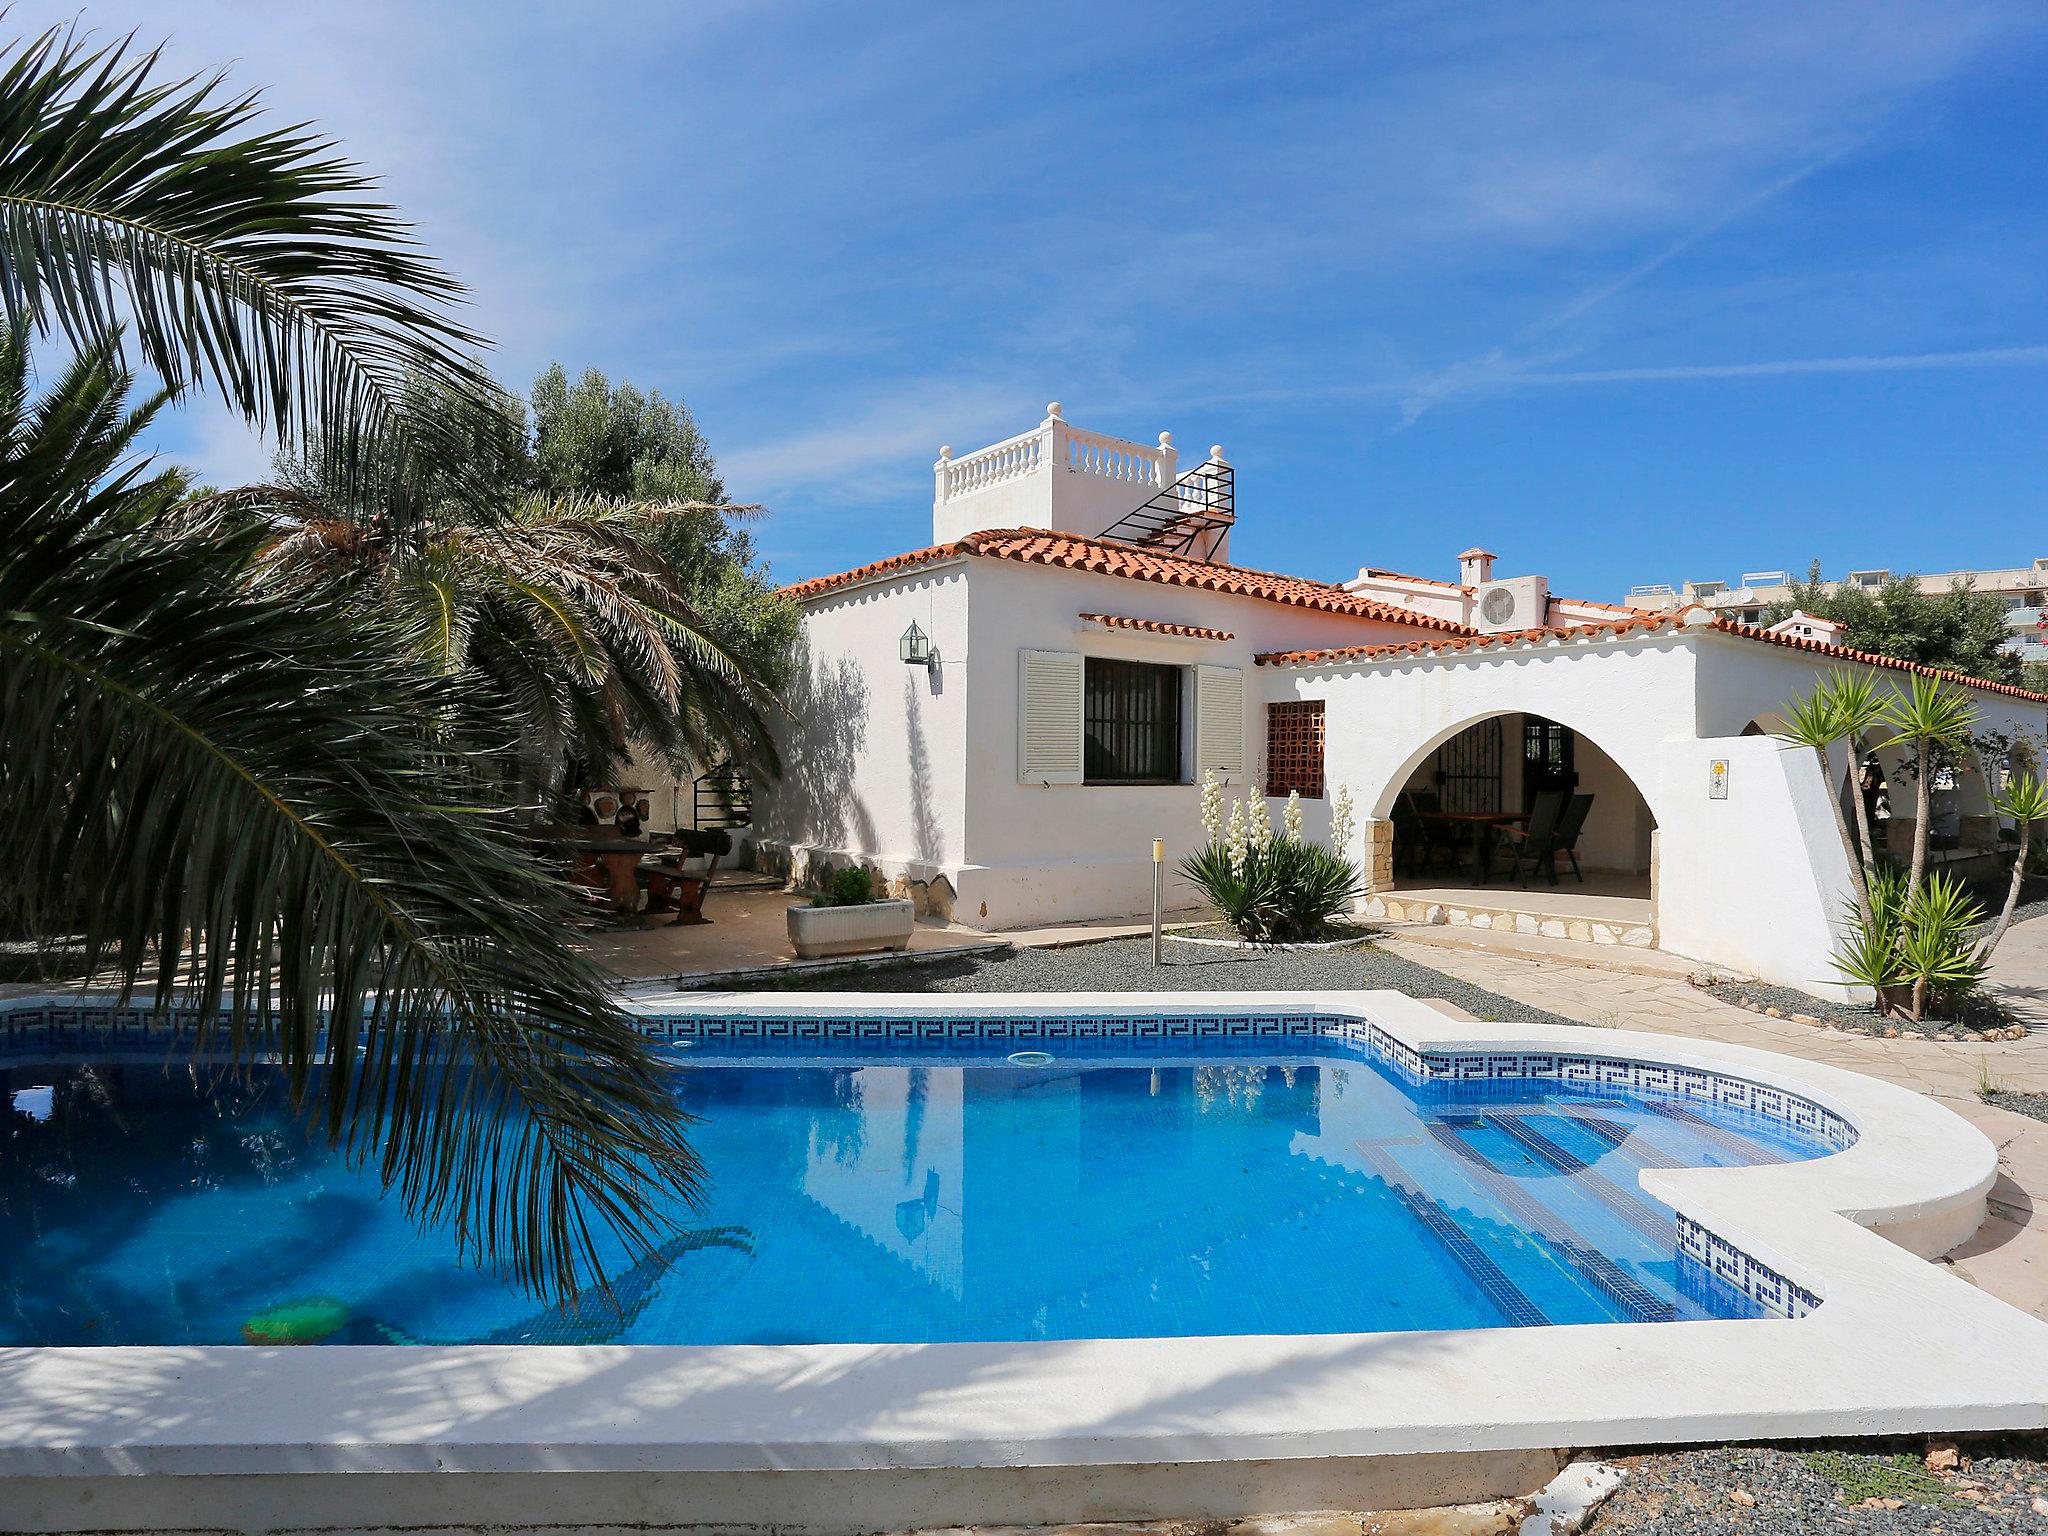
2023,587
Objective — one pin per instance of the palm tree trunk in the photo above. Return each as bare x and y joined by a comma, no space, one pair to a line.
1857,880
1922,799
1869,860
2012,894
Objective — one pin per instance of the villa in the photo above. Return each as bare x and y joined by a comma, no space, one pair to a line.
1002,722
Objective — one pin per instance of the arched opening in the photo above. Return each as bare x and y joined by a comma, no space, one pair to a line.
1519,812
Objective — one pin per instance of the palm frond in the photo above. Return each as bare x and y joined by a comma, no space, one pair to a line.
241,799
252,259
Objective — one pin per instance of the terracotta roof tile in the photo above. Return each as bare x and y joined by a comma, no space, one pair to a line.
1870,658
1641,623
1157,627
1037,546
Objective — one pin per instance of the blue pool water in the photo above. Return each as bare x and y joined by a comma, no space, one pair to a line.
1171,1187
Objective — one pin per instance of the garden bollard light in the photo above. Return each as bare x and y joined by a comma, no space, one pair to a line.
1158,884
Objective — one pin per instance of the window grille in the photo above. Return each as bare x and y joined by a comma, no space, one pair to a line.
1294,748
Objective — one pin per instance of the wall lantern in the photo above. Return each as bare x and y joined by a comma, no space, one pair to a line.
917,650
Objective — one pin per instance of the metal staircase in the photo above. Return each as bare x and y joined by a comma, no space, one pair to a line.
1189,517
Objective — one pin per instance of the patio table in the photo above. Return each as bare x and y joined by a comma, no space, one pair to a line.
1485,827
619,858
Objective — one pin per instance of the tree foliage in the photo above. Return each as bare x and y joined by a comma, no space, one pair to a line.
594,439
1960,630
581,575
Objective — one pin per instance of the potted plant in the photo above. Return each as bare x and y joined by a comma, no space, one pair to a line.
848,918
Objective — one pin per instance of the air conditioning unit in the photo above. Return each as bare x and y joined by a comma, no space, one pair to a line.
1520,602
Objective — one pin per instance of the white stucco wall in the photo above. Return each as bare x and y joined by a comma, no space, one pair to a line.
1756,882
1052,853
874,751
1634,702
859,784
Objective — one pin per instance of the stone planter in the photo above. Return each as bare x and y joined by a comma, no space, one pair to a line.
818,931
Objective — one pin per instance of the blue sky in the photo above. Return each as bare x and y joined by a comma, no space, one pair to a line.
1623,292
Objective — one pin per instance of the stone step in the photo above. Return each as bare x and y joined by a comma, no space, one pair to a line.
1394,907
1620,958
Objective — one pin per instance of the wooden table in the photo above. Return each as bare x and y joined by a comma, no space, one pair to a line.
619,860
1485,826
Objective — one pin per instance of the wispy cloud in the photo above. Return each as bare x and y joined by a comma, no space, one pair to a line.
1985,357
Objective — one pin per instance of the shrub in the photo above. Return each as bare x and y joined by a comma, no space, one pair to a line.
849,887
1918,951
1281,891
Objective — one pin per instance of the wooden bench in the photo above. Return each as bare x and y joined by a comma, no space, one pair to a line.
673,887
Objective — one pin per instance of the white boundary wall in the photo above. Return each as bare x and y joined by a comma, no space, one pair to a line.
1756,882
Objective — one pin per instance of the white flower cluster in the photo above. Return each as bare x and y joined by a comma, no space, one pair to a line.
1341,822
1290,819
1212,807
1236,837
1260,817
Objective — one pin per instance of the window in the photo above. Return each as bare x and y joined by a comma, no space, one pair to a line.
1130,723
1294,748
1548,753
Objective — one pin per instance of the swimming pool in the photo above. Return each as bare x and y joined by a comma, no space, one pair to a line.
923,1187
1858,1335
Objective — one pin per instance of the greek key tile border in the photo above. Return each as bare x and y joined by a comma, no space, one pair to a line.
1778,1296
89,1025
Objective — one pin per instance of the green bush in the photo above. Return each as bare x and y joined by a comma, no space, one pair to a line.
849,887
1919,955
1285,891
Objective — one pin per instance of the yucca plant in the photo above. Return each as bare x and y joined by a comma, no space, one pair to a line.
1276,890
243,801
1936,948
1838,708
1917,948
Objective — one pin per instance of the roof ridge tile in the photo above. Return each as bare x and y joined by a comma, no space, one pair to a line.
1039,546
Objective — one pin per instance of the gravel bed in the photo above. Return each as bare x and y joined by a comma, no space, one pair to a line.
1864,1490
1982,1014
1125,965
2034,1105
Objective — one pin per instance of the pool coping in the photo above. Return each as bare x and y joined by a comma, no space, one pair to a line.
1897,1345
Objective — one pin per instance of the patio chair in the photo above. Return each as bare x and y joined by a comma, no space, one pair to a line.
1536,843
1569,826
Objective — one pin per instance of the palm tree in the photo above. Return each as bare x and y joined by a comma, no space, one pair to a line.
2024,798
246,799
256,262
242,798
1817,721
1933,715
560,611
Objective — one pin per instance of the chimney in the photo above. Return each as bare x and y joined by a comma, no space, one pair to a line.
1475,566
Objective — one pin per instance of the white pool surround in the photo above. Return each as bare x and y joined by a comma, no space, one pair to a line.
843,1438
